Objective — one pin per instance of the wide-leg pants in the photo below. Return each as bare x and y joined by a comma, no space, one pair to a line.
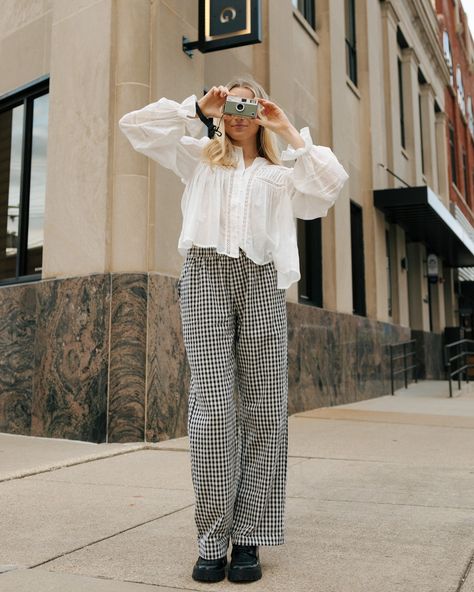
234,326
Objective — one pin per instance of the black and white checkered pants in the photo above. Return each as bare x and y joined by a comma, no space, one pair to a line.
235,332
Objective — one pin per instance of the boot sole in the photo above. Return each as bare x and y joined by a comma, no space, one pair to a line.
208,575
248,574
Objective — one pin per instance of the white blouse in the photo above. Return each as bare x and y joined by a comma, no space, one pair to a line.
254,208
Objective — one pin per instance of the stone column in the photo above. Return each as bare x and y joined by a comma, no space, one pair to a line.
79,140
400,313
442,156
392,117
428,136
412,114
337,279
450,302
437,307
97,206
417,287
129,207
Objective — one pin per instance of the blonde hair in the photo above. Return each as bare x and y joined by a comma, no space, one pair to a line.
220,150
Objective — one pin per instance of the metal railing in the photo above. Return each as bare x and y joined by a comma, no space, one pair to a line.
403,356
462,366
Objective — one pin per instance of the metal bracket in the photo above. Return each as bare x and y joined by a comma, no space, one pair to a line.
188,46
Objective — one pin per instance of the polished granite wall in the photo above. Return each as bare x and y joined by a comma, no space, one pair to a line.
430,355
101,358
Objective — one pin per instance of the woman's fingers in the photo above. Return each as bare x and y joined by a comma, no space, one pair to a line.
222,91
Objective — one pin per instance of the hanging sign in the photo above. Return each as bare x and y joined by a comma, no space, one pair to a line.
226,23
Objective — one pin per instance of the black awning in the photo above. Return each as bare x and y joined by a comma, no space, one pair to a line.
425,219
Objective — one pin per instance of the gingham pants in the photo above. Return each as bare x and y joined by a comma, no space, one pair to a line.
235,328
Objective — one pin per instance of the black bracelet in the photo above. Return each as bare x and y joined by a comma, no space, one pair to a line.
201,115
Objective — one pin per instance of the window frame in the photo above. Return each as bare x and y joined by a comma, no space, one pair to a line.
25,96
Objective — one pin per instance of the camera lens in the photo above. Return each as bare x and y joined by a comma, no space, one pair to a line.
239,107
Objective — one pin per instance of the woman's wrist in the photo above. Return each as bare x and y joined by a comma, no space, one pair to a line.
291,135
203,111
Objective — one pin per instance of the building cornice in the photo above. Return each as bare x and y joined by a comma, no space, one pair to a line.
389,10
428,28
424,12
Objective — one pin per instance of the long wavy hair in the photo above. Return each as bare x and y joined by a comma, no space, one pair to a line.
220,150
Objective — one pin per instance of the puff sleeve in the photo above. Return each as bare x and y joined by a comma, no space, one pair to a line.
316,179
166,131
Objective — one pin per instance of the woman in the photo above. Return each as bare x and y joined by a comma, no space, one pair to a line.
239,237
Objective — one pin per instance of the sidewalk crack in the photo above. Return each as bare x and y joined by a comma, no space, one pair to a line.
465,574
110,536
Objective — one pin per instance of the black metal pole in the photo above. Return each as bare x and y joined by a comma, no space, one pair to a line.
391,367
405,371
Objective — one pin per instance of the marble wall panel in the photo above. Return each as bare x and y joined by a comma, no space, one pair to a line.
430,355
168,369
17,337
128,340
337,358
73,349
71,358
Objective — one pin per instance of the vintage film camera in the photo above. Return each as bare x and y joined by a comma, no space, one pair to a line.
241,106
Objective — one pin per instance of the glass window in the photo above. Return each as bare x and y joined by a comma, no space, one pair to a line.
307,9
452,151
310,285
465,175
422,147
23,143
11,141
358,265
470,115
39,147
400,101
351,53
448,56
460,90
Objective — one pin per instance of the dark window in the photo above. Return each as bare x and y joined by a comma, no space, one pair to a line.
389,272
307,9
466,179
23,144
351,53
452,151
311,264
400,100
421,136
357,254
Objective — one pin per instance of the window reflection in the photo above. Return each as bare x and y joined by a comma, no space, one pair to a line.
11,138
37,185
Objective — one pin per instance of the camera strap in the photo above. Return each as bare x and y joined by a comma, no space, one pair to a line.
208,122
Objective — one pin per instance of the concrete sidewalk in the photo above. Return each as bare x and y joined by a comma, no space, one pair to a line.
380,499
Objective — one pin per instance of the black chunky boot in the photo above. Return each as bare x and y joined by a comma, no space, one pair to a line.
209,570
245,564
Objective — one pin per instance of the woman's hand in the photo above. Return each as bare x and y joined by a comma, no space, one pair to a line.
212,102
273,117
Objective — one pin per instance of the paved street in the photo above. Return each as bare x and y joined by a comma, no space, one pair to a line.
380,499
